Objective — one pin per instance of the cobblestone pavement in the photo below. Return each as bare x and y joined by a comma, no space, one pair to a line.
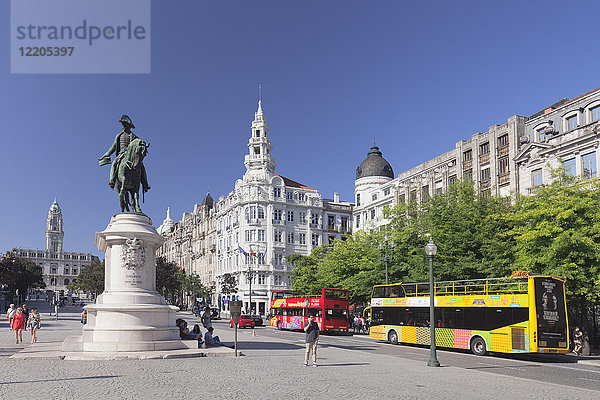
272,368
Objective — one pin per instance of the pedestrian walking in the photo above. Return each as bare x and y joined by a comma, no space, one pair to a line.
577,340
206,319
25,311
355,323
34,322
84,317
10,313
312,339
18,324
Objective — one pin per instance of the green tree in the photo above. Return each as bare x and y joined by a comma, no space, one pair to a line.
557,232
228,283
192,284
91,278
168,278
20,273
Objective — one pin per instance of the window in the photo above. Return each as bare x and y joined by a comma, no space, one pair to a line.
451,180
589,165
250,236
357,221
261,213
290,237
261,235
425,193
261,258
402,199
485,174
257,150
277,236
276,192
386,191
66,281
330,239
278,259
503,141
66,271
503,166
290,216
372,213
257,133
570,167
345,223
315,239
595,114
302,217
261,279
53,281
484,148
468,175
358,199
302,238
301,197
331,222
536,177
314,219
374,197
413,195
540,134
571,122
277,215
53,270
74,271
290,195
467,155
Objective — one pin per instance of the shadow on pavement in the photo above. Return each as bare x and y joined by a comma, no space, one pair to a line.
243,345
343,364
64,379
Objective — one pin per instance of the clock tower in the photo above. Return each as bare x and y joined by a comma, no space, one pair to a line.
54,229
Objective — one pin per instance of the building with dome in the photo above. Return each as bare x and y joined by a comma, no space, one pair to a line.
59,267
487,158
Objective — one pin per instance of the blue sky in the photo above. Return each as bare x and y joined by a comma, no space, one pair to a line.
415,76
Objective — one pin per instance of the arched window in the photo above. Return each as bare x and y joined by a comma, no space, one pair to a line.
66,281
53,281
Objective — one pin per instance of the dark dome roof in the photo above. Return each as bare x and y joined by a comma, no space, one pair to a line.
208,201
374,165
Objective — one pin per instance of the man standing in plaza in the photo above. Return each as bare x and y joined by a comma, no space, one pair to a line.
312,339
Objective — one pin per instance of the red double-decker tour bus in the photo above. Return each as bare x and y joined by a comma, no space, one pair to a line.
290,310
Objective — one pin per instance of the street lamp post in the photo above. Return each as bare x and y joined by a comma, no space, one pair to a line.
250,275
383,254
431,250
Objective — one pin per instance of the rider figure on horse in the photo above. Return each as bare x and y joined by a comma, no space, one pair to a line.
119,146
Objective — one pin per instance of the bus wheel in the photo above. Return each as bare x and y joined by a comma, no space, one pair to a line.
279,325
478,346
393,337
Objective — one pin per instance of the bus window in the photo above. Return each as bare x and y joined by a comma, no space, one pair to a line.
378,292
377,317
336,314
336,294
498,317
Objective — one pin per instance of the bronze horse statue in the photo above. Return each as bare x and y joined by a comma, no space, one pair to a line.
131,174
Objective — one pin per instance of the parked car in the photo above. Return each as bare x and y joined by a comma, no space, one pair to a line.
258,321
245,321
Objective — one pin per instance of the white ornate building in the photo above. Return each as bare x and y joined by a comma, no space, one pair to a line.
191,242
59,267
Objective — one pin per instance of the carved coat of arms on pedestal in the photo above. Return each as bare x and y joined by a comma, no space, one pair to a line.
133,256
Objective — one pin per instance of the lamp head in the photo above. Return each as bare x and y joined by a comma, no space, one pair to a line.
431,248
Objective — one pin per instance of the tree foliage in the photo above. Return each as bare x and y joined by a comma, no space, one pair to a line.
20,273
91,278
168,277
228,283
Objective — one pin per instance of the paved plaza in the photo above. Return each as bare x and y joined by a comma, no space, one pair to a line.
270,368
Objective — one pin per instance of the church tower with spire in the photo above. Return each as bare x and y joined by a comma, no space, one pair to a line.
54,229
260,164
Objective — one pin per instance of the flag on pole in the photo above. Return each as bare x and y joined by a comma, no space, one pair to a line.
253,253
242,250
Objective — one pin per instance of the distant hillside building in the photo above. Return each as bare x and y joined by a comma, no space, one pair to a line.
59,267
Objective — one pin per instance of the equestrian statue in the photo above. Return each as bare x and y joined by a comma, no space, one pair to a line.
127,171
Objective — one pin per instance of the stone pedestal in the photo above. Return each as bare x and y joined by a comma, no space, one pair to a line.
130,315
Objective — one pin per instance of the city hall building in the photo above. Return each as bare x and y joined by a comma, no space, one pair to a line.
59,267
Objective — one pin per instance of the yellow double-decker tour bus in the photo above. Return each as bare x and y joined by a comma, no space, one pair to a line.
525,313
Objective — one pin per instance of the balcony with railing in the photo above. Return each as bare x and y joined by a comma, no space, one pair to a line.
504,178
484,158
503,150
485,184
467,164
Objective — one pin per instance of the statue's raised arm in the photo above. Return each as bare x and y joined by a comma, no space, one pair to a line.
127,176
